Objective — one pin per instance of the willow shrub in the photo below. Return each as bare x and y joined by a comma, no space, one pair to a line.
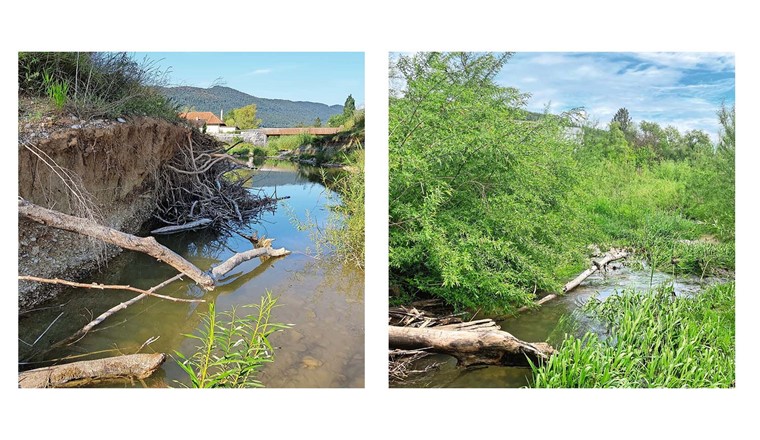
653,340
478,195
232,347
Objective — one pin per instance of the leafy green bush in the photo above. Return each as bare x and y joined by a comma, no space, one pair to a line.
478,195
290,142
654,340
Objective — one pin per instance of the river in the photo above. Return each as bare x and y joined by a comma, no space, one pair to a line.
541,325
322,299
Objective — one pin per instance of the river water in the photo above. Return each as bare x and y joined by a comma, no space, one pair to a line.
323,300
541,325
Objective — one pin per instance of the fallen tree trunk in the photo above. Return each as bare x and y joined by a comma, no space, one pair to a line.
147,245
609,257
133,366
470,348
596,265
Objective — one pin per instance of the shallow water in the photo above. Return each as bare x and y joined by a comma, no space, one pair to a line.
538,325
323,300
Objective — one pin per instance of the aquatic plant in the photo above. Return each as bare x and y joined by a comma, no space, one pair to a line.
233,348
652,340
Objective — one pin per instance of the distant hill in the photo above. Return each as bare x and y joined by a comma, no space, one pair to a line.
272,112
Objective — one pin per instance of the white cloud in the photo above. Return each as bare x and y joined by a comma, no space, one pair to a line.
260,72
719,61
680,89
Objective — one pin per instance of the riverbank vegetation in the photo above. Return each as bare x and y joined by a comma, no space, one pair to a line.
94,84
489,204
651,340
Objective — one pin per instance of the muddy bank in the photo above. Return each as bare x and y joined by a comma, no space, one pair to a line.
104,168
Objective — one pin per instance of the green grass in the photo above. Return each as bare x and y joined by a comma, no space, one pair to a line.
277,143
653,340
232,347
95,84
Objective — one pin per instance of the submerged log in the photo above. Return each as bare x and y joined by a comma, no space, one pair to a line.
485,347
133,366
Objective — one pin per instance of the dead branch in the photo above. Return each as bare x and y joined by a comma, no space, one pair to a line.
121,306
133,366
181,228
106,286
241,257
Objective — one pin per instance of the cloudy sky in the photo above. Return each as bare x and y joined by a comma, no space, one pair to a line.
683,89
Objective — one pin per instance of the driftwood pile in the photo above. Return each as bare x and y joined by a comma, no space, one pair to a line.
414,331
199,188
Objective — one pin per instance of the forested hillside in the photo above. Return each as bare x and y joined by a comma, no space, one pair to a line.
272,112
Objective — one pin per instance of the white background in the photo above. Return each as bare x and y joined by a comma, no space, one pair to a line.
377,28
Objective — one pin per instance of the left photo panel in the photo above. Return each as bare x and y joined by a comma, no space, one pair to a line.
191,220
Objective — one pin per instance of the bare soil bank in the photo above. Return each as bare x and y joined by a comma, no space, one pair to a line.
112,163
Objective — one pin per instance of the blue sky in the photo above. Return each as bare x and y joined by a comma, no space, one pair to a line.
683,89
326,77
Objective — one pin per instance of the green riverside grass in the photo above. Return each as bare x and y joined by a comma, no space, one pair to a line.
653,340
233,347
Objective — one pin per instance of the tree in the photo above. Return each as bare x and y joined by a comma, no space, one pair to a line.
349,107
317,122
243,117
727,118
336,120
623,118
473,187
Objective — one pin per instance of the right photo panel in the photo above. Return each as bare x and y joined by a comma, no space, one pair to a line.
561,220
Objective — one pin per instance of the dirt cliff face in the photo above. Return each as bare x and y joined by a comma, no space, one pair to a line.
111,164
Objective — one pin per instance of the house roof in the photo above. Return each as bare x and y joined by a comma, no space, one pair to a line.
207,117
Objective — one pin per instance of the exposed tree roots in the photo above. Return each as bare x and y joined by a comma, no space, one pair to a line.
201,183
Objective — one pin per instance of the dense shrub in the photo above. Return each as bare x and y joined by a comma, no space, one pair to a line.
478,195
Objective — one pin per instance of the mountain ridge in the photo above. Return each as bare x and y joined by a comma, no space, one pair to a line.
273,112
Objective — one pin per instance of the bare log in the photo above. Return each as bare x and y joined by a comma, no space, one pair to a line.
106,286
470,348
596,265
147,245
180,228
133,366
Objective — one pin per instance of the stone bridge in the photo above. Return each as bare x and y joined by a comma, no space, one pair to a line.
259,136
